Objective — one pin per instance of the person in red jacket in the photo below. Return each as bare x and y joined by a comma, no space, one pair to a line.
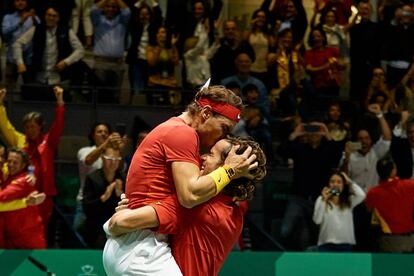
41,147
23,228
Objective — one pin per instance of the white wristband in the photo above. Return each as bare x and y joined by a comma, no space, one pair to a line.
379,115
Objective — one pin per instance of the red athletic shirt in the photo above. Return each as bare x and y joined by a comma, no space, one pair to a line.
203,236
394,202
150,175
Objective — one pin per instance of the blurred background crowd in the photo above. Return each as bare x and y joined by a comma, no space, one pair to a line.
328,90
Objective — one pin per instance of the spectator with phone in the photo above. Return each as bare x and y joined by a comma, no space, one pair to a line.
333,213
89,160
360,166
314,154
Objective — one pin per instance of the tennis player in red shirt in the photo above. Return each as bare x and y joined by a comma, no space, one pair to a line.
203,236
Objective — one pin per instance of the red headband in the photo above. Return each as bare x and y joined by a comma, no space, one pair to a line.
225,109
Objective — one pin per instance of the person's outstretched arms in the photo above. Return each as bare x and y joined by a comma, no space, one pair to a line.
12,137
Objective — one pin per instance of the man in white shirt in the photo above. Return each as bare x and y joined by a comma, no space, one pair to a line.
360,165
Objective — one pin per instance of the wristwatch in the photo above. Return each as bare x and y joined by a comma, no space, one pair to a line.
230,171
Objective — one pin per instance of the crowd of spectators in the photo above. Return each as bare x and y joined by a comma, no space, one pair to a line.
334,93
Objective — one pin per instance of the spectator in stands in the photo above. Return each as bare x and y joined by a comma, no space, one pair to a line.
89,159
222,63
110,20
201,22
336,34
392,202
101,194
338,127
399,46
404,93
256,124
360,164
82,13
54,49
243,77
286,72
402,146
144,25
196,60
324,65
162,57
235,88
364,51
40,147
14,25
341,8
22,228
336,37
260,39
314,155
292,16
377,85
333,213
35,198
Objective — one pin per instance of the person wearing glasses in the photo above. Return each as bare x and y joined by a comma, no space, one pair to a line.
101,194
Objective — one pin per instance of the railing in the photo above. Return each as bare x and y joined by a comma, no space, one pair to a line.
95,95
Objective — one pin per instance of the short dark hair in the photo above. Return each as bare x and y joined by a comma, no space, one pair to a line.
385,166
92,130
249,87
310,38
22,153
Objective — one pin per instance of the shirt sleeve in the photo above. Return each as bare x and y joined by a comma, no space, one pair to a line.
17,189
95,15
359,195
369,202
78,50
82,153
20,42
13,205
12,137
183,147
318,212
381,147
10,24
56,129
169,213
125,15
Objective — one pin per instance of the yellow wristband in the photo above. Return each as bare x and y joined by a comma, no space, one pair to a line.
220,177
